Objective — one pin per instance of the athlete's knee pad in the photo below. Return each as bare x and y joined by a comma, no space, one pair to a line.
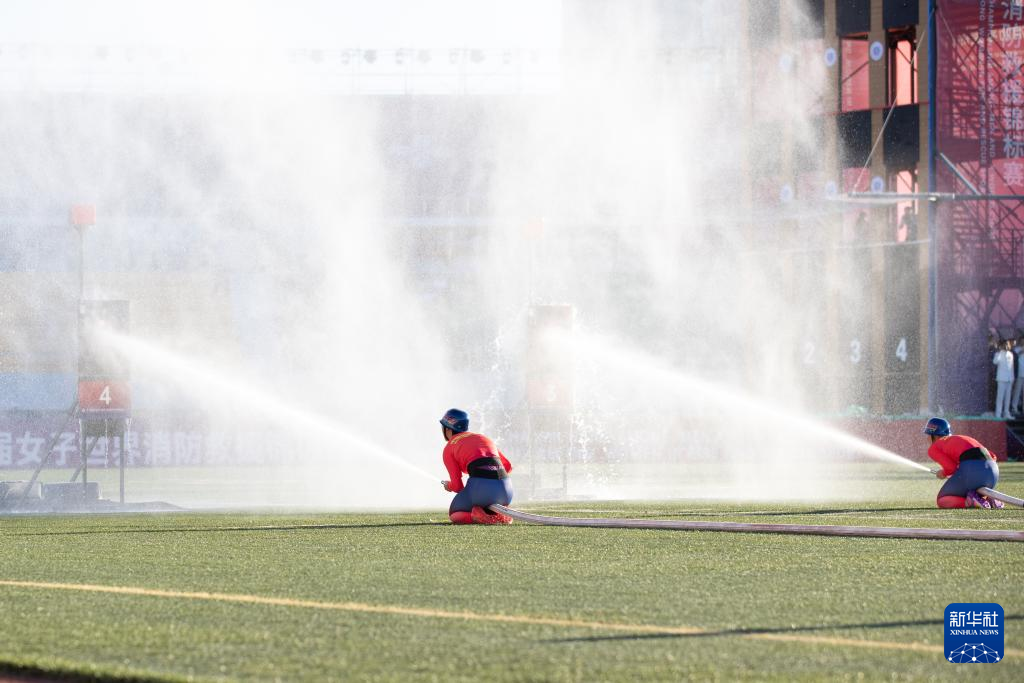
951,502
460,517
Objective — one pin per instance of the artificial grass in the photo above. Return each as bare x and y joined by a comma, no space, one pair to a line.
736,587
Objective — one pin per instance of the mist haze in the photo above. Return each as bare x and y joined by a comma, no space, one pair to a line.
353,214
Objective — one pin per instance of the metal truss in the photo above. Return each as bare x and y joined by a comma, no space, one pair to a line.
981,255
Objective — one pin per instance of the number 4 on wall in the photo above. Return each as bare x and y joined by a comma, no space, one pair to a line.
901,350
105,395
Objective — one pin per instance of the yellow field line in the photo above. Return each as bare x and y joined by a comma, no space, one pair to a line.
466,616
850,642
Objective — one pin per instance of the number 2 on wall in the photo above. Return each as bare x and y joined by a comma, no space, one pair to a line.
808,353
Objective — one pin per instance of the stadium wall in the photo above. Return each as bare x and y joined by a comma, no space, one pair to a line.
184,442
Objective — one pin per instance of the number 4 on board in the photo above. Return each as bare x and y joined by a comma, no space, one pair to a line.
901,350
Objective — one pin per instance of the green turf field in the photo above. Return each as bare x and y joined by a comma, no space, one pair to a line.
408,597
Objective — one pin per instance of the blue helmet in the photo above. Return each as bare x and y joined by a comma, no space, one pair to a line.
456,420
937,427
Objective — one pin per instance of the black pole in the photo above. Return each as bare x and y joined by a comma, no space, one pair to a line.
80,229
85,458
81,264
124,433
48,451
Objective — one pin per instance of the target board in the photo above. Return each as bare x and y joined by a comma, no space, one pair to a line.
94,395
103,373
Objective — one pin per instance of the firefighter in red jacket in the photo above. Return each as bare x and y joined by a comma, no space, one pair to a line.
965,464
487,467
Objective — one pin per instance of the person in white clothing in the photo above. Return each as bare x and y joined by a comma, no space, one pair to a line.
1003,360
1018,383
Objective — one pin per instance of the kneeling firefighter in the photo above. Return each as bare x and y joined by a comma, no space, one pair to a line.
965,464
487,467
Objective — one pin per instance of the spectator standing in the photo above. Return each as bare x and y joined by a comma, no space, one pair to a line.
907,231
1018,382
1003,360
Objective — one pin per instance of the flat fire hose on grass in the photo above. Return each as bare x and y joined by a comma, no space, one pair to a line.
749,528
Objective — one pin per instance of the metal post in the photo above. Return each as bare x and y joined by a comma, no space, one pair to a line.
106,442
933,232
85,461
81,300
565,473
567,459
84,455
121,449
79,443
84,465
531,452
71,414
81,267
955,171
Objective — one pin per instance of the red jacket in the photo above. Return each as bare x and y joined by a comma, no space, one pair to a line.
463,449
947,451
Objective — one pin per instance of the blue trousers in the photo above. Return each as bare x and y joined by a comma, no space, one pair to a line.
971,475
482,492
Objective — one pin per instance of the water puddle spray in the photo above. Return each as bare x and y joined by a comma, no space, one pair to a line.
195,378
391,265
199,379
649,369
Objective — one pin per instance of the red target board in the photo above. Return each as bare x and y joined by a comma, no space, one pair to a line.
103,395
83,215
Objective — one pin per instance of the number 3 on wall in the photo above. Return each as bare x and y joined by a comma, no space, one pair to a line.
855,351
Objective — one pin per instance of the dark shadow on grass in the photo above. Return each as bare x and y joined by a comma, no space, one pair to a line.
761,631
289,527
36,674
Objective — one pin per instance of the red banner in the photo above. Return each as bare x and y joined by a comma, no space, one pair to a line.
980,98
979,110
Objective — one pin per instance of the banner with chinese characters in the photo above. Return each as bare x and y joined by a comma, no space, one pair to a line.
980,98
24,435
979,131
